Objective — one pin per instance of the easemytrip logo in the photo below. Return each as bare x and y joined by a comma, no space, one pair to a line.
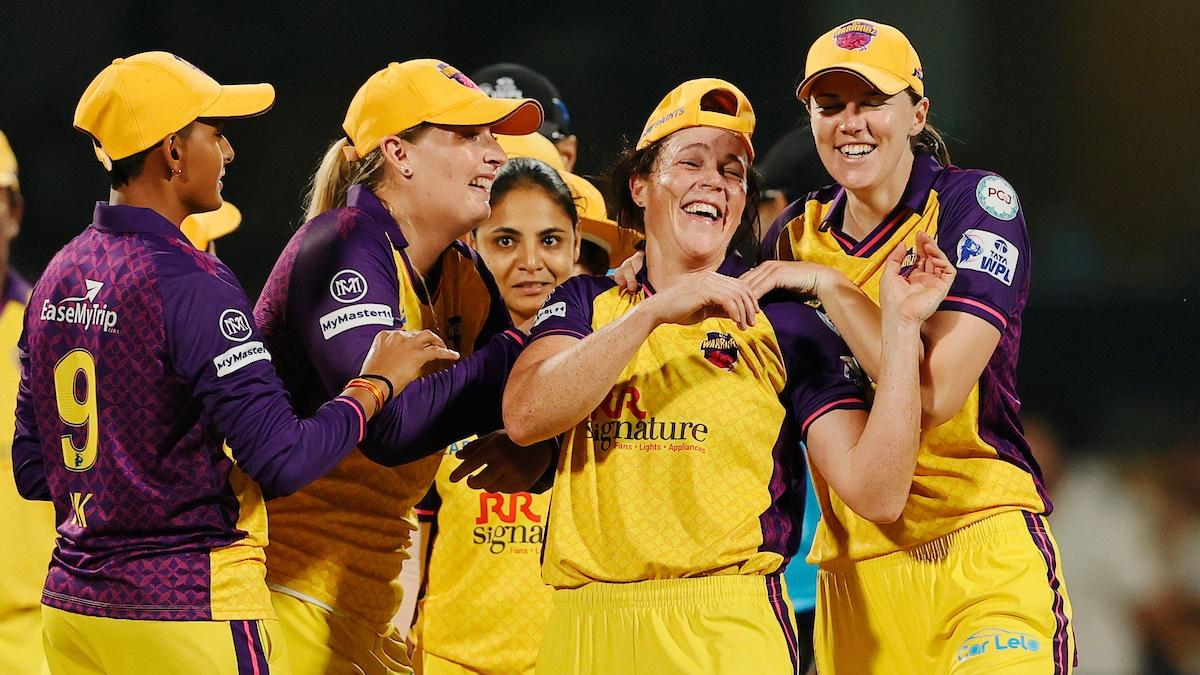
507,519
996,641
82,311
675,436
348,286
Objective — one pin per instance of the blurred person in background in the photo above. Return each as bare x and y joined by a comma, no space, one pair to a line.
1107,532
28,525
484,607
603,245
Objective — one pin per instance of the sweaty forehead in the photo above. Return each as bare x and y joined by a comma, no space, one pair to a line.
706,140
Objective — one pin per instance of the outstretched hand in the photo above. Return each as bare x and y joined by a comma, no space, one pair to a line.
915,284
506,466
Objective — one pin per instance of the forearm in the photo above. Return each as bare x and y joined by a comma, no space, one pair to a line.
883,460
441,408
547,397
857,318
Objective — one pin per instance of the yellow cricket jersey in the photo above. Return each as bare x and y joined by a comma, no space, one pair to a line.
977,463
485,606
29,526
692,465
341,540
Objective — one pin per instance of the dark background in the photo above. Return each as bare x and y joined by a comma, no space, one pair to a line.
1087,107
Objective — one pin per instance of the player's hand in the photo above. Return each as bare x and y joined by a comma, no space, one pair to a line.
914,286
626,274
399,355
804,278
506,466
700,295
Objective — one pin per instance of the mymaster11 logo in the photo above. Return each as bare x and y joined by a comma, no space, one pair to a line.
83,310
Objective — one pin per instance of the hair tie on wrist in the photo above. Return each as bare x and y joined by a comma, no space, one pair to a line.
391,391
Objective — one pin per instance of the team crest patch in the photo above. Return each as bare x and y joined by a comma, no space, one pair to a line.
454,74
720,350
989,253
997,197
855,36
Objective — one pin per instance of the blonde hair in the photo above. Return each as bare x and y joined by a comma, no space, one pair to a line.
336,173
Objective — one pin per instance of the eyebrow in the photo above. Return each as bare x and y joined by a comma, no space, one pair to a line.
510,231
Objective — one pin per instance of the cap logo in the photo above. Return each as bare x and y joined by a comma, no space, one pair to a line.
919,74
505,87
452,73
855,36
186,63
658,122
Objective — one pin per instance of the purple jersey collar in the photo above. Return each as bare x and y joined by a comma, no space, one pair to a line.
119,219
359,197
925,171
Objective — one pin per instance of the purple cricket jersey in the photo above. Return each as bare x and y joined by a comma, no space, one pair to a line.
139,361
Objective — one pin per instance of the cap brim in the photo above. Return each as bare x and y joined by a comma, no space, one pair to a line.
202,228
882,80
618,242
241,100
514,117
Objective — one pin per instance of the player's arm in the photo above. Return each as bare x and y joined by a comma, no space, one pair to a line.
869,459
29,470
568,369
215,345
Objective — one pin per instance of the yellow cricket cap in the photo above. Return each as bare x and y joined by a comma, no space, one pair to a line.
705,102
594,224
8,164
136,102
404,95
204,228
874,51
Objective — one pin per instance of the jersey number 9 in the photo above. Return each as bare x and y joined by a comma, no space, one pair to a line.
75,411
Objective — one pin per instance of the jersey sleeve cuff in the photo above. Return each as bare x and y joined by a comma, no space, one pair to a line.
976,307
843,403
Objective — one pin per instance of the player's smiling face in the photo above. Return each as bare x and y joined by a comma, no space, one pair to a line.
205,152
695,195
530,246
861,134
452,172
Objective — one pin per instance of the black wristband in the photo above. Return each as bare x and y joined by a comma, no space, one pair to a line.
391,389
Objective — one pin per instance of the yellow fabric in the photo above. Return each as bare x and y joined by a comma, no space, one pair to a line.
342,539
28,526
136,102
485,605
78,644
958,479
203,229
238,571
686,626
403,95
874,50
321,642
8,165
627,509
904,614
682,108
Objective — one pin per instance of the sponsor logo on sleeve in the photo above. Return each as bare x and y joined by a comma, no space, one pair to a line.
997,197
83,310
367,314
239,357
996,641
989,253
235,326
557,309
348,286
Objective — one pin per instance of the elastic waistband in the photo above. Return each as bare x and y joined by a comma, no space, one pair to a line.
671,592
990,530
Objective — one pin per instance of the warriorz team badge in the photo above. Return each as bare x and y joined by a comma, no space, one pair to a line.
855,36
720,350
